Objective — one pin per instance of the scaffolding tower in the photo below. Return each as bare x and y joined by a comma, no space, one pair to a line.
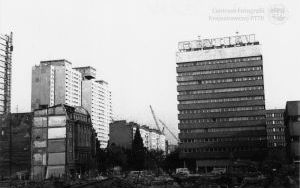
6,48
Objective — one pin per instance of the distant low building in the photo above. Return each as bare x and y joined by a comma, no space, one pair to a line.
157,140
63,142
275,128
276,134
121,133
292,122
15,137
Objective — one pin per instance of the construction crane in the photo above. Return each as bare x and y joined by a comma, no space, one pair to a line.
165,126
154,117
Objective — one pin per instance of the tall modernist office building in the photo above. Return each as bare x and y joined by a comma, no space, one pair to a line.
221,101
96,98
6,49
55,82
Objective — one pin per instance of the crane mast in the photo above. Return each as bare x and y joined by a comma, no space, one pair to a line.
165,126
154,117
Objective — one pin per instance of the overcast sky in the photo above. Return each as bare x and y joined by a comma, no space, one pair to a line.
132,44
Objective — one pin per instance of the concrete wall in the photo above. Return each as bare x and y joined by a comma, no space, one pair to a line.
60,85
40,86
86,90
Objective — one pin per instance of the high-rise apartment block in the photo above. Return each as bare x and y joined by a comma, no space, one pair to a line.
55,82
221,101
6,49
96,98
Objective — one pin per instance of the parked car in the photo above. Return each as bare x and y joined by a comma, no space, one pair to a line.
182,171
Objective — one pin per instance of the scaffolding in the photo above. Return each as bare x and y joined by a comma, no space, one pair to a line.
6,48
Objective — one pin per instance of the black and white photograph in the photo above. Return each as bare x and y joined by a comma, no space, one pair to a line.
149,94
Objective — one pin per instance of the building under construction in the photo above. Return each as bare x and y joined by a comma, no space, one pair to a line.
6,49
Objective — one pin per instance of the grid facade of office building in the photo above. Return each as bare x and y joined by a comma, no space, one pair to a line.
6,49
221,104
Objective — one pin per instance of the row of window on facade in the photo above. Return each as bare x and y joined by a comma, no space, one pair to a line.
276,144
72,83
276,137
275,129
234,99
295,138
274,115
218,81
222,61
275,122
73,75
80,117
218,149
72,102
294,118
223,129
220,71
226,139
41,134
56,120
227,119
233,109
221,90
73,95
97,91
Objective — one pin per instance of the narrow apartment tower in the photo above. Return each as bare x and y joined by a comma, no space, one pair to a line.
55,82
6,49
221,101
96,99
